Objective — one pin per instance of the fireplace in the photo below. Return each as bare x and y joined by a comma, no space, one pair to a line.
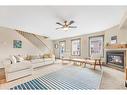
116,58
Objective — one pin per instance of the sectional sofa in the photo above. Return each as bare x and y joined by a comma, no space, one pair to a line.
17,66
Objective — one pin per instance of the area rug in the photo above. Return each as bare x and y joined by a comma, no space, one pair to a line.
69,78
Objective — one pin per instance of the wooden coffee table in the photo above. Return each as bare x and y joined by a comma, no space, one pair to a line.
83,62
80,61
75,61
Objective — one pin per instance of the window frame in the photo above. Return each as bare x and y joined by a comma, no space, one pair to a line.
80,46
59,46
102,45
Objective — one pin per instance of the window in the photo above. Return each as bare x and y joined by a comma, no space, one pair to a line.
75,47
62,48
96,45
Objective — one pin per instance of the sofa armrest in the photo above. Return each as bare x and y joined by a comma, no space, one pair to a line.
7,62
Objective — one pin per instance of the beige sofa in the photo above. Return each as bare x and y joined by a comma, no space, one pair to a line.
15,70
38,62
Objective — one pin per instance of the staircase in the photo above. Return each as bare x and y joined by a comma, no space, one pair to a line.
35,40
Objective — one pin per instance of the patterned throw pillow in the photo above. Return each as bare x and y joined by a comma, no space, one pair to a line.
47,56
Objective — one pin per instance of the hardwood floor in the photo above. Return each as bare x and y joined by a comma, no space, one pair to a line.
2,76
113,79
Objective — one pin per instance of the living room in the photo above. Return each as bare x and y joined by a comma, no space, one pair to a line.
47,54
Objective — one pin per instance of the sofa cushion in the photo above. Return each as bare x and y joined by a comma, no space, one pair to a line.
19,58
17,67
35,56
37,61
47,56
49,62
38,65
47,59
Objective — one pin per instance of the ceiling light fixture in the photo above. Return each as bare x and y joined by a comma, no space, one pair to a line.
66,25
65,28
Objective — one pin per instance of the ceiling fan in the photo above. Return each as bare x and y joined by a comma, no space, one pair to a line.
66,25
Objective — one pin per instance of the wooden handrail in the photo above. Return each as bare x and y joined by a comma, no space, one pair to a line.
41,41
22,33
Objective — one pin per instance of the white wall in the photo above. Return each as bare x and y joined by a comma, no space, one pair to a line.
6,44
121,34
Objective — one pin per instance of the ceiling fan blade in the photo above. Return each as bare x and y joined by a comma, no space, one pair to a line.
59,28
59,23
72,26
71,22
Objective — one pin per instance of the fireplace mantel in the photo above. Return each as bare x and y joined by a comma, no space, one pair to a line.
116,46
119,49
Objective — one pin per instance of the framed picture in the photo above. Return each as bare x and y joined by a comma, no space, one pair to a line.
17,44
96,45
113,39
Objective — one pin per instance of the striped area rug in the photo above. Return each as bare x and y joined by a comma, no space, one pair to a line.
70,78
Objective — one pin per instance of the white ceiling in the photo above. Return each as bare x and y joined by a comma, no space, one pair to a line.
42,19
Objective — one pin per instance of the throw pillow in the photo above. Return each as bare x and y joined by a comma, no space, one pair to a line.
41,56
13,59
46,56
19,58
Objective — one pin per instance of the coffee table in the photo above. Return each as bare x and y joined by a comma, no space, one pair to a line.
80,61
